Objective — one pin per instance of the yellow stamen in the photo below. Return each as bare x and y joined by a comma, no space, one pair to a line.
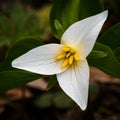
72,50
61,56
76,56
65,63
71,59
68,54
66,49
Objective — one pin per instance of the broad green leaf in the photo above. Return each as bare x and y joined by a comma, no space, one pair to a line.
22,46
10,78
15,78
52,81
18,48
96,54
117,53
69,11
5,66
108,64
111,38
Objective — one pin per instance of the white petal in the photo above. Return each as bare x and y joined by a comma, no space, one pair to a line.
41,60
85,32
74,82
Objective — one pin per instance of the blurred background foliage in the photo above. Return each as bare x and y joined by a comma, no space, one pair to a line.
18,19
16,22
21,19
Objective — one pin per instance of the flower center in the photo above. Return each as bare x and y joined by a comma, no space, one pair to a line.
69,55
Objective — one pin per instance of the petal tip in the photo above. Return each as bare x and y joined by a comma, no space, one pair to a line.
13,63
82,104
83,107
105,14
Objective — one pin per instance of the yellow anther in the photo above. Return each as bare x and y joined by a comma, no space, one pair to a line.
66,49
61,56
76,56
72,50
65,63
68,56
71,59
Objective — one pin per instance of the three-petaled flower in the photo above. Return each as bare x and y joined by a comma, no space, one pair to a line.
68,59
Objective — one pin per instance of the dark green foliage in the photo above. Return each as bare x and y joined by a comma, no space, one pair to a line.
69,11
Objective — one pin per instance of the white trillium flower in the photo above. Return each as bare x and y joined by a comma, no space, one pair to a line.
68,59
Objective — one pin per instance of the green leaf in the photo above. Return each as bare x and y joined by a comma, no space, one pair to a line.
15,78
59,29
5,66
69,11
111,38
22,46
52,81
93,90
57,99
117,53
108,64
10,78
96,54
61,100
44,100
18,48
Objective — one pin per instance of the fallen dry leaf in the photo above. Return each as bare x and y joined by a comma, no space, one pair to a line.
40,84
97,75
